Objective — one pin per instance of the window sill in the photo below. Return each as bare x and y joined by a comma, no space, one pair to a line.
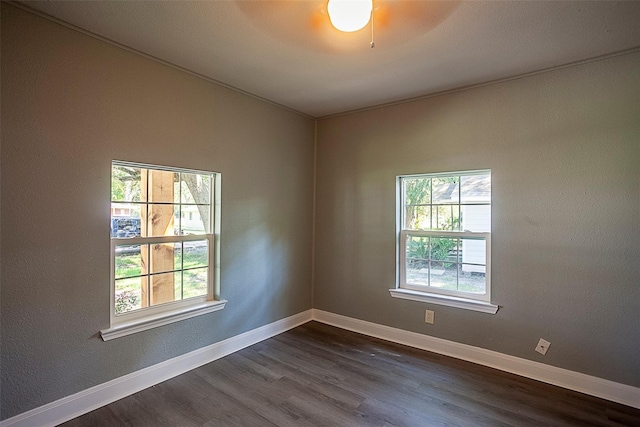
159,319
465,303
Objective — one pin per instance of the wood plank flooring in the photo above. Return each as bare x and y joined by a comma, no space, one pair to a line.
318,375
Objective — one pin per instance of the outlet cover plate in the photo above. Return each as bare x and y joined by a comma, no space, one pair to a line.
429,316
543,346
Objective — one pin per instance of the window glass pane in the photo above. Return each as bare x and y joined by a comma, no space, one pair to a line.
196,188
160,186
417,264
125,226
454,203
143,209
128,294
194,282
160,220
163,287
476,218
177,285
417,272
445,190
475,188
417,217
417,248
196,254
128,261
443,249
472,279
457,252
125,184
446,217
474,251
165,257
417,191
195,219
442,275
177,220
148,203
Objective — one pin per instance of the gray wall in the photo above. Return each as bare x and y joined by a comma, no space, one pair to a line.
564,148
71,104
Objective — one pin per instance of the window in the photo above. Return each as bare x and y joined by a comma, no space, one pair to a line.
444,246
163,265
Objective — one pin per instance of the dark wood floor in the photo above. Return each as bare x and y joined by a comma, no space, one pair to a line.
318,375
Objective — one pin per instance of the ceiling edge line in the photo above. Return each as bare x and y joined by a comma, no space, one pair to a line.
154,58
629,51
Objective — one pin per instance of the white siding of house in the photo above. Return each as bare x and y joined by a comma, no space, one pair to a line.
475,218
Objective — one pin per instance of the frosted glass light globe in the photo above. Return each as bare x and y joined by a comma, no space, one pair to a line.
349,15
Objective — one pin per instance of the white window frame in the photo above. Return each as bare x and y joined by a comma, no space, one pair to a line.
163,314
414,292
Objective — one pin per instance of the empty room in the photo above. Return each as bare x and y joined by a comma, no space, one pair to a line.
305,213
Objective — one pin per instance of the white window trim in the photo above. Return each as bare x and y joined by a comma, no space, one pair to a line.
160,319
442,297
163,314
457,302
404,234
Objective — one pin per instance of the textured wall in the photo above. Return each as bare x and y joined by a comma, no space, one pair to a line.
564,148
71,104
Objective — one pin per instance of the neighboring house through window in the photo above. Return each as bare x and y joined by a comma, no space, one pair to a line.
164,246
444,239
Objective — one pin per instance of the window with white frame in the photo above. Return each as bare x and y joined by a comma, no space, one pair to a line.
164,246
444,223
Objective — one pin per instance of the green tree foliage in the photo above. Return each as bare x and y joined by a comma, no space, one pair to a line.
417,194
417,191
422,249
125,184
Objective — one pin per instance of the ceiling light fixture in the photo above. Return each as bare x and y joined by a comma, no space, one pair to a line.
349,15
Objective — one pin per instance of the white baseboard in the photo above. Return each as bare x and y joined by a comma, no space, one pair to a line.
594,386
87,400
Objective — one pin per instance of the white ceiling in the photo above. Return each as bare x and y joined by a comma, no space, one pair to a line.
288,53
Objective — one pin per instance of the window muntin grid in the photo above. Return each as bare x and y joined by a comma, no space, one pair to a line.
444,239
161,237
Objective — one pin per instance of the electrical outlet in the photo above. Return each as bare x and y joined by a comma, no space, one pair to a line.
429,316
543,346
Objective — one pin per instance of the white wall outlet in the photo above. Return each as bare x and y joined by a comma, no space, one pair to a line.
429,316
543,346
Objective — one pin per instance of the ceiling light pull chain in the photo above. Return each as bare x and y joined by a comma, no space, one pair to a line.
372,44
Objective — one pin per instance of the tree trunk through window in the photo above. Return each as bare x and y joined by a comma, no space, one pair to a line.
158,221
200,192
